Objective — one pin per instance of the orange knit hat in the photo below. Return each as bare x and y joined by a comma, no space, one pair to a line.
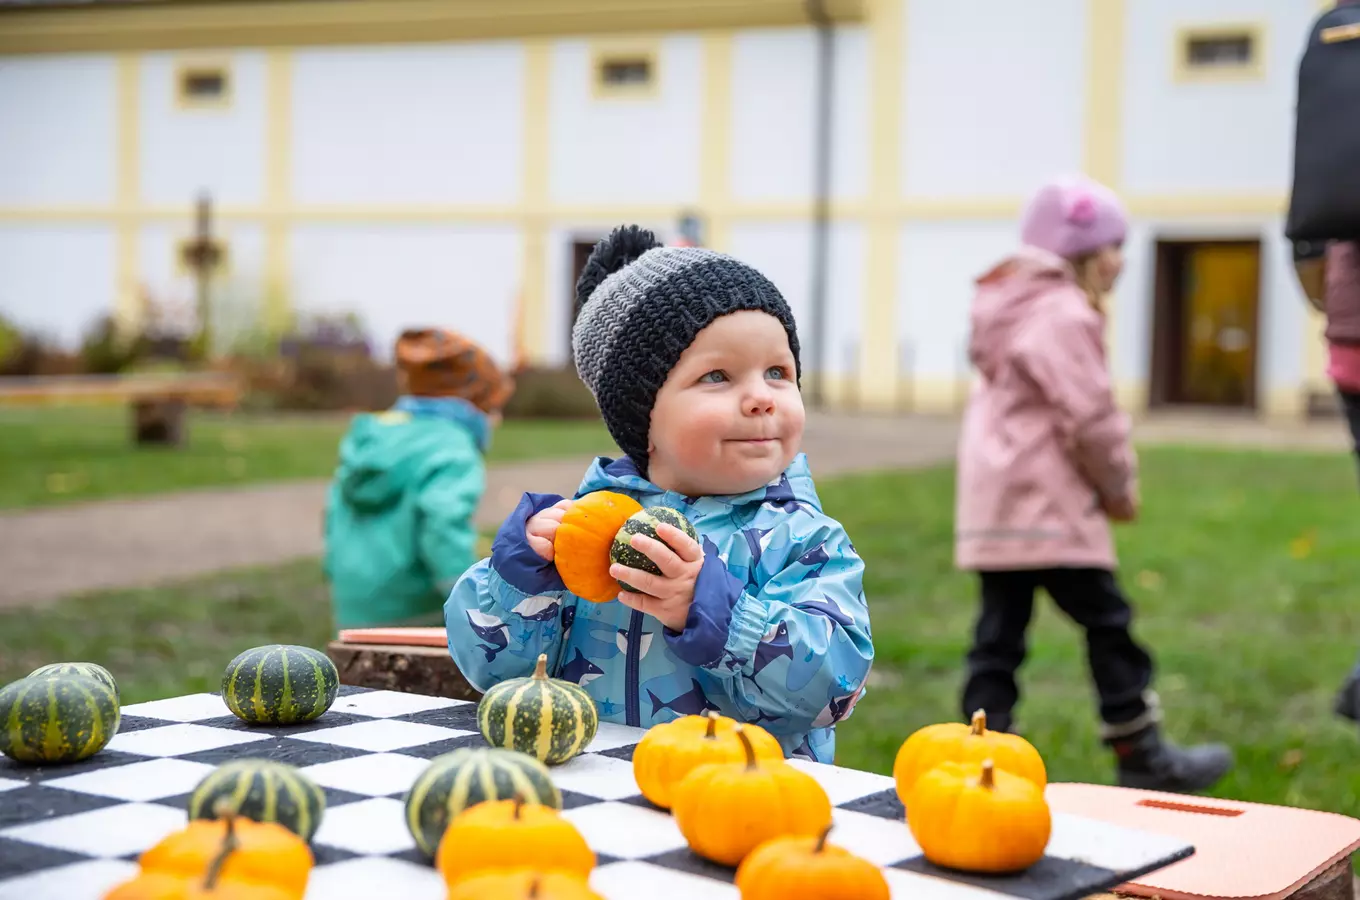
438,362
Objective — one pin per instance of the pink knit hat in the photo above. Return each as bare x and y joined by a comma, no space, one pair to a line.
1072,216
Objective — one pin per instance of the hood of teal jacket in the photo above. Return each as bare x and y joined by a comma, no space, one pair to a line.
382,453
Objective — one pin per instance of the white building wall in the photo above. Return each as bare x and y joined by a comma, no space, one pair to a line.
56,279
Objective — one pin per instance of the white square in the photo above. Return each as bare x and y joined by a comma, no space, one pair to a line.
189,708
374,877
625,831
630,880
9,784
179,740
597,776
904,885
150,780
1108,846
376,775
108,833
611,735
381,735
385,704
843,785
881,841
371,827
94,878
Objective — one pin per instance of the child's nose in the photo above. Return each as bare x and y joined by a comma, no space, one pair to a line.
760,401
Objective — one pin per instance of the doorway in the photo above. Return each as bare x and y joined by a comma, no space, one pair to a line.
580,255
1205,323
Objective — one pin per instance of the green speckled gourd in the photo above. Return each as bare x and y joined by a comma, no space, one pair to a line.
645,522
264,791
455,781
280,684
92,670
549,719
56,718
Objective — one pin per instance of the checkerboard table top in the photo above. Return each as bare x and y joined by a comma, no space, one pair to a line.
74,831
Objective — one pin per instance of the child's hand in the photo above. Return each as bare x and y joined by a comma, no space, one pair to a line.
1123,509
542,528
667,596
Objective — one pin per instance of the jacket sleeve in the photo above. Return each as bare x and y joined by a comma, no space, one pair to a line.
446,505
792,653
1064,357
506,610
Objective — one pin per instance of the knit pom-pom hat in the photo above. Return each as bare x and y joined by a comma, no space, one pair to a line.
639,306
1073,216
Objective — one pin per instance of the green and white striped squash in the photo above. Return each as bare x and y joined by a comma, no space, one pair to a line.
57,718
280,684
645,522
549,719
262,790
455,781
92,670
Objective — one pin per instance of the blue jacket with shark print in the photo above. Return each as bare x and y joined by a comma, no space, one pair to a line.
778,633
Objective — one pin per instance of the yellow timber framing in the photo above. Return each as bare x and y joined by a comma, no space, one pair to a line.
127,195
301,23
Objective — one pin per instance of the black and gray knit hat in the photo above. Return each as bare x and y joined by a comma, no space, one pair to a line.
639,305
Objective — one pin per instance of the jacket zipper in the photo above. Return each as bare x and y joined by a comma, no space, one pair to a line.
634,658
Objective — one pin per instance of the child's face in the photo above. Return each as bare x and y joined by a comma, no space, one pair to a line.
729,417
1107,265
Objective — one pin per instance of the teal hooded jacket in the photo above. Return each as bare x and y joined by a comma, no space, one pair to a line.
399,515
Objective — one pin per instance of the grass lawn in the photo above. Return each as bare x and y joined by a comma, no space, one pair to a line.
1244,572
62,456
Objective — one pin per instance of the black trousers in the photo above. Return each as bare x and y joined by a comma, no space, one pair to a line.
1350,402
1121,669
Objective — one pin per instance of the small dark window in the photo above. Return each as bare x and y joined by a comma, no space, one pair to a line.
1231,50
627,72
204,86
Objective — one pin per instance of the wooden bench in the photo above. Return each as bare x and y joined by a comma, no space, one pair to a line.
158,400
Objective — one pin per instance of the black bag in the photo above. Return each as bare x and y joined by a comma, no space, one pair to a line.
1325,201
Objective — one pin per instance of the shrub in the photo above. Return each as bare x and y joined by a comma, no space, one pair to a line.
550,393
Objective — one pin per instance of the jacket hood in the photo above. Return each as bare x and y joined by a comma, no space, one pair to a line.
1006,295
381,454
793,486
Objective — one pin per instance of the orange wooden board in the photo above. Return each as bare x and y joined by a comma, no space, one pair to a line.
409,637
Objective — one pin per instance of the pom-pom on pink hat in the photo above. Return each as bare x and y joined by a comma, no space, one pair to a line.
1072,216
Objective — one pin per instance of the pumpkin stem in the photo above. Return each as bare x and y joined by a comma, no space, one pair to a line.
988,779
230,844
980,722
821,840
747,748
541,668
712,724
533,888
519,804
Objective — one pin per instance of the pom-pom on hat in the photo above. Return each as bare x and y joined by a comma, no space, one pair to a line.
1073,216
640,305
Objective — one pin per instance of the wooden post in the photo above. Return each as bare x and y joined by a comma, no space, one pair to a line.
203,255
158,420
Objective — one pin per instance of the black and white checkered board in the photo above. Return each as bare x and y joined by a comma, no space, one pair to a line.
72,832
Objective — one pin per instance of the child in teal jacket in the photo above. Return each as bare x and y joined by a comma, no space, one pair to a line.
693,359
399,515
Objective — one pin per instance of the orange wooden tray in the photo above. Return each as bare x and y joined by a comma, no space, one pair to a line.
1242,850
407,637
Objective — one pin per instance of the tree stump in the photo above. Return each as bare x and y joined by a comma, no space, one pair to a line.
392,667
158,421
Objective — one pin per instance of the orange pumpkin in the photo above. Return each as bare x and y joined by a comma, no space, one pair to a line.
955,742
802,866
238,850
669,752
160,886
503,834
522,884
581,548
977,818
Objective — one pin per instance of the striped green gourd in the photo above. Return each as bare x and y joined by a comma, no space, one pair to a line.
645,522
549,719
280,684
262,790
453,782
92,670
56,718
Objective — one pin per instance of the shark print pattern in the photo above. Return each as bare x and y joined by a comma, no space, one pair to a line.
778,632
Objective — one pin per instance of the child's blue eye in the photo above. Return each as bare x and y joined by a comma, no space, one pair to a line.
776,372
714,377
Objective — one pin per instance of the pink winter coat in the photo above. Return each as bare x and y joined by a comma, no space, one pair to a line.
1042,440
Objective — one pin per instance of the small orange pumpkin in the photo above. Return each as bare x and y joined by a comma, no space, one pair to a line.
669,752
581,547
955,742
977,818
726,810
808,867
522,884
503,834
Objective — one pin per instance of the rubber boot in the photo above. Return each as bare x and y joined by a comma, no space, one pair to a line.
1148,762
1347,703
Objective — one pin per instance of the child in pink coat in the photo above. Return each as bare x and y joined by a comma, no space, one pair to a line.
1044,464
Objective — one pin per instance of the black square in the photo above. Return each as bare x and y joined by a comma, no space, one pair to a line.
884,804
462,718
639,800
686,860
1051,878
18,858
573,800
334,797
36,774
129,724
326,720
284,750
37,802
447,745
324,854
623,753
349,690
413,855
604,859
